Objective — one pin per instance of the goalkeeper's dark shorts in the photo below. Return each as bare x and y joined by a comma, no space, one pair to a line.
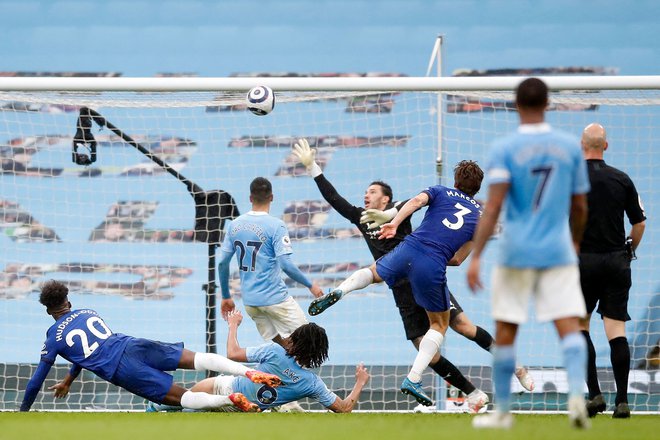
414,318
606,280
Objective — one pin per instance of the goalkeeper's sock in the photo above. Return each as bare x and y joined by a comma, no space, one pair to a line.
592,374
574,348
218,363
359,280
193,400
453,375
483,339
504,364
428,347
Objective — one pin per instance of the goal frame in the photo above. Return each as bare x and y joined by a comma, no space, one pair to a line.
319,84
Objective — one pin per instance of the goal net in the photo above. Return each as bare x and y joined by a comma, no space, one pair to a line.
131,232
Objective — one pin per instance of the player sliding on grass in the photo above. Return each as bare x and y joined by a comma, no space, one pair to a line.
304,349
137,365
443,238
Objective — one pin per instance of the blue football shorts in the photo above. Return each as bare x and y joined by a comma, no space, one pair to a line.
142,368
427,279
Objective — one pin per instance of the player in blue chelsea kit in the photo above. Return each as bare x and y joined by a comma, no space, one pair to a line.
137,365
542,176
443,238
305,348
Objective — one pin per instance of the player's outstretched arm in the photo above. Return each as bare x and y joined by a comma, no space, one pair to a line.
34,385
306,155
346,405
388,230
375,217
234,350
61,389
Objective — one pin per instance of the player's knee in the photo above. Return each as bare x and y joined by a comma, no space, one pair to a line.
462,326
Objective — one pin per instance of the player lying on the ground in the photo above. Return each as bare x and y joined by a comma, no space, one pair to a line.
304,349
135,364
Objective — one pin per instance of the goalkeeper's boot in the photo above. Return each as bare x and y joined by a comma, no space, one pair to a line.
263,378
577,413
415,389
241,402
622,411
493,420
525,379
477,402
320,304
596,405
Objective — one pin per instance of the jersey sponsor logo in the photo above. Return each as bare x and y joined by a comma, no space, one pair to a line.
44,352
286,240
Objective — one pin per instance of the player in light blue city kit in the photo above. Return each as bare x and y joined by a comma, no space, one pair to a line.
306,348
135,364
443,238
263,250
541,174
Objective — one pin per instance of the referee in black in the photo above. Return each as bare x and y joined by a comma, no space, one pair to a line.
605,255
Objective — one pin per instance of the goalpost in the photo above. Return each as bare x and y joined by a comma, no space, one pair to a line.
137,245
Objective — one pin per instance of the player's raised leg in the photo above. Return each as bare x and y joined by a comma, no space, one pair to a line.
215,362
358,280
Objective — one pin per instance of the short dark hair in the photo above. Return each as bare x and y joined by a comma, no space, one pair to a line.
309,345
532,93
53,294
387,190
261,190
468,176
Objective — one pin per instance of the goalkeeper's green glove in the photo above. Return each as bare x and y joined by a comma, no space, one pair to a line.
375,217
306,156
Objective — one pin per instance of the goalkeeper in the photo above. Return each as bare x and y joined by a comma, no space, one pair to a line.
379,209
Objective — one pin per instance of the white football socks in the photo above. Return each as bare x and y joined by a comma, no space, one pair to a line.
428,347
193,400
218,363
359,280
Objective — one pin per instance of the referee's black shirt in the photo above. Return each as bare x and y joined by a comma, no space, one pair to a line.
612,193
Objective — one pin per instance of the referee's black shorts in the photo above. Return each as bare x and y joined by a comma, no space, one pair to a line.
606,280
414,317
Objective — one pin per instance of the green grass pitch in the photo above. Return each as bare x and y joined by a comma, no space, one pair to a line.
312,426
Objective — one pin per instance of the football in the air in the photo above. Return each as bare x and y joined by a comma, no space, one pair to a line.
261,100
